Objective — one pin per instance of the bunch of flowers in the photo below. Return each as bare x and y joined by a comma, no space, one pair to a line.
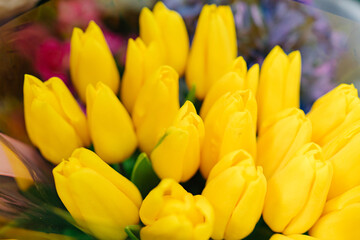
235,148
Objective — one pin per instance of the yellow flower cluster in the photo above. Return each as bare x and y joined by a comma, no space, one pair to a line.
260,154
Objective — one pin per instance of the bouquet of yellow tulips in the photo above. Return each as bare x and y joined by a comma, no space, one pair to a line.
233,157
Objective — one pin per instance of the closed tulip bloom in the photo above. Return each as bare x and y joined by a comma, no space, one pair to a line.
213,49
237,78
229,126
110,125
341,218
282,136
279,85
167,28
297,193
292,237
156,107
177,155
169,212
236,190
344,154
141,62
54,121
334,112
101,200
91,60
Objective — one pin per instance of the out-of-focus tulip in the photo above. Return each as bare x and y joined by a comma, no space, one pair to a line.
54,120
101,200
236,189
280,138
213,49
341,218
334,112
297,193
168,29
156,107
237,78
110,125
169,212
141,62
91,60
177,155
344,154
229,126
279,85
292,237
22,175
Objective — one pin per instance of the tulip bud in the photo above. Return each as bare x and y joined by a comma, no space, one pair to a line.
156,107
110,125
279,139
169,212
101,200
167,28
279,85
238,78
334,112
141,62
91,60
296,194
229,126
236,190
343,152
177,154
54,121
292,237
213,49
341,218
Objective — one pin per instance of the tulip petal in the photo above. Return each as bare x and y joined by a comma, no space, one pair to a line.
90,160
107,202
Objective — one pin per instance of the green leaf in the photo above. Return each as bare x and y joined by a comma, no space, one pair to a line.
128,164
133,231
191,95
143,175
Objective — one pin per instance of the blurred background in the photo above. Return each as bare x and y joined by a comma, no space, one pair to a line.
35,35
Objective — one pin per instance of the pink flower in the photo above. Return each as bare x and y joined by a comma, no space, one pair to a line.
29,38
52,59
76,13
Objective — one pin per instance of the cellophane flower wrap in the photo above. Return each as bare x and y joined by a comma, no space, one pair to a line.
183,139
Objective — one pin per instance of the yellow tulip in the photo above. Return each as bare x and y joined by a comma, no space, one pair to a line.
177,155
141,62
213,49
91,60
54,121
156,107
168,29
344,154
279,85
297,193
292,237
237,78
282,136
110,125
236,190
334,112
169,212
101,200
341,218
229,126
22,175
